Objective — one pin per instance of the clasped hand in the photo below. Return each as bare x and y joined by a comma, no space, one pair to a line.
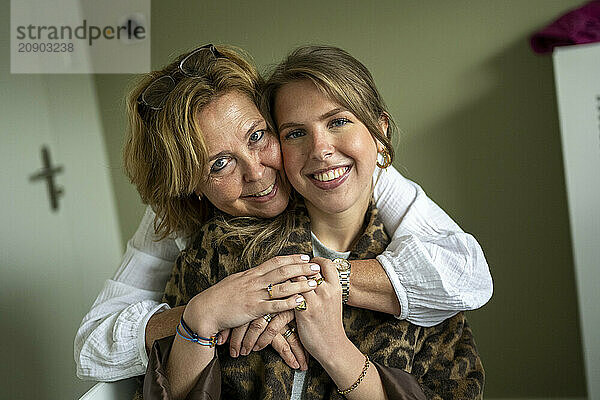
243,297
324,307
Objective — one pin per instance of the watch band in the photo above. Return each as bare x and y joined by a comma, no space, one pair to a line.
343,269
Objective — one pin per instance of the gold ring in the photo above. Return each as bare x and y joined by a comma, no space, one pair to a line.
270,290
289,332
268,317
301,306
319,281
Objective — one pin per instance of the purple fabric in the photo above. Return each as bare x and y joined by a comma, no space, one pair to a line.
581,25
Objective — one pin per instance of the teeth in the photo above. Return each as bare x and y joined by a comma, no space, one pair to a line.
331,174
265,192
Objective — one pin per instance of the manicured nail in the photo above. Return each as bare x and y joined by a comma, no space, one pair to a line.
244,352
312,283
299,299
315,267
305,257
233,353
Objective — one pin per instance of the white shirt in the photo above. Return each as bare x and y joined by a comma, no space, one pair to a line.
436,270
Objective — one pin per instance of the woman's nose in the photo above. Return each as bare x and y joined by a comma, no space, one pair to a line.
254,170
322,146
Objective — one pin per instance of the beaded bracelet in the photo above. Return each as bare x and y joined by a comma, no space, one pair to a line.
359,380
193,336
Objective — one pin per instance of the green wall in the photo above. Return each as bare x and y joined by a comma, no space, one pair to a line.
480,134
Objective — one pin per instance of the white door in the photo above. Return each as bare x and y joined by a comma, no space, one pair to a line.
52,263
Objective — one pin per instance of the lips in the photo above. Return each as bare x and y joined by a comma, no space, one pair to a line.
264,195
331,178
331,174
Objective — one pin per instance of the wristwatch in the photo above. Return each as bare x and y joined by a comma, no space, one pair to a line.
343,269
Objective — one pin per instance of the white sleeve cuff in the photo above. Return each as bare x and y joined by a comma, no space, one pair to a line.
141,331
401,294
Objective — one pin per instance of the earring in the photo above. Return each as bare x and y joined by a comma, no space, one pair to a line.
387,159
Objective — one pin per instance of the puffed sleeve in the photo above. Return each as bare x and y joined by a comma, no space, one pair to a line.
110,342
436,269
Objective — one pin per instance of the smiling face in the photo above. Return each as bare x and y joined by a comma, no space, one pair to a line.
329,154
244,168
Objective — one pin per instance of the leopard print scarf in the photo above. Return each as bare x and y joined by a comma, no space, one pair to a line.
443,358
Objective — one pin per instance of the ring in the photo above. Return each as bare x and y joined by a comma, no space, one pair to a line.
270,290
319,281
289,332
268,317
301,306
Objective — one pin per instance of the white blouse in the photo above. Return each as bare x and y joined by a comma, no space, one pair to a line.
436,270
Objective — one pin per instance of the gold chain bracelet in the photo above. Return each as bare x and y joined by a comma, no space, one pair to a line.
359,380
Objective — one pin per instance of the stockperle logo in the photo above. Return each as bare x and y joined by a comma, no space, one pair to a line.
130,30
80,36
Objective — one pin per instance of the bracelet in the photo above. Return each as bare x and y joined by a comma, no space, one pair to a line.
193,336
359,380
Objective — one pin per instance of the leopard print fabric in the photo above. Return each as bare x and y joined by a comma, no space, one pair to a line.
443,358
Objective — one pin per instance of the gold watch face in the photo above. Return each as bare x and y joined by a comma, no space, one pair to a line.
341,264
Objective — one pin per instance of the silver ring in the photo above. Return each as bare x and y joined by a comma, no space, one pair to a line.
289,332
268,317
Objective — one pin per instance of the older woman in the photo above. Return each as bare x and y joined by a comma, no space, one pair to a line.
431,269
332,124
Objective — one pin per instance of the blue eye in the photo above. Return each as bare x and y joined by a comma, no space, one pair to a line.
256,136
336,123
294,134
218,165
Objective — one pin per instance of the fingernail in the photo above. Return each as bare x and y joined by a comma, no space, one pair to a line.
304,367
256,348
315,267
244,352
233,353
299,299
305,257
312,283
219,340
296,365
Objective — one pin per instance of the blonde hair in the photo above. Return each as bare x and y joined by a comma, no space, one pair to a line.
339,76
164,153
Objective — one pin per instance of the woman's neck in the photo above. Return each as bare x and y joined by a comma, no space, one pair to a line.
338,231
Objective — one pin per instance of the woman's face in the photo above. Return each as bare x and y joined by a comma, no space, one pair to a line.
244,169
329,155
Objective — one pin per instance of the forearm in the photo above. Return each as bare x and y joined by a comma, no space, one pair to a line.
162,324
185,364
371,288
345,365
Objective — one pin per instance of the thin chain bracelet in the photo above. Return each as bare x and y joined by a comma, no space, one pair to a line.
359,380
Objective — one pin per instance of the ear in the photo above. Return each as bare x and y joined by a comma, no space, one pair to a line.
384,123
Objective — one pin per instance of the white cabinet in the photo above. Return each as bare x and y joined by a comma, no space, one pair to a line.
577,76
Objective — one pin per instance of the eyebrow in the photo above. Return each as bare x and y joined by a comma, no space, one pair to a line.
248,132
321,118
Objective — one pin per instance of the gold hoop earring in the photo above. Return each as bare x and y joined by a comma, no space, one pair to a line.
387,159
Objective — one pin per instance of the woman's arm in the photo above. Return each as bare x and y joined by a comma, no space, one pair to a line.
207,313
338,356
110,343
435,268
